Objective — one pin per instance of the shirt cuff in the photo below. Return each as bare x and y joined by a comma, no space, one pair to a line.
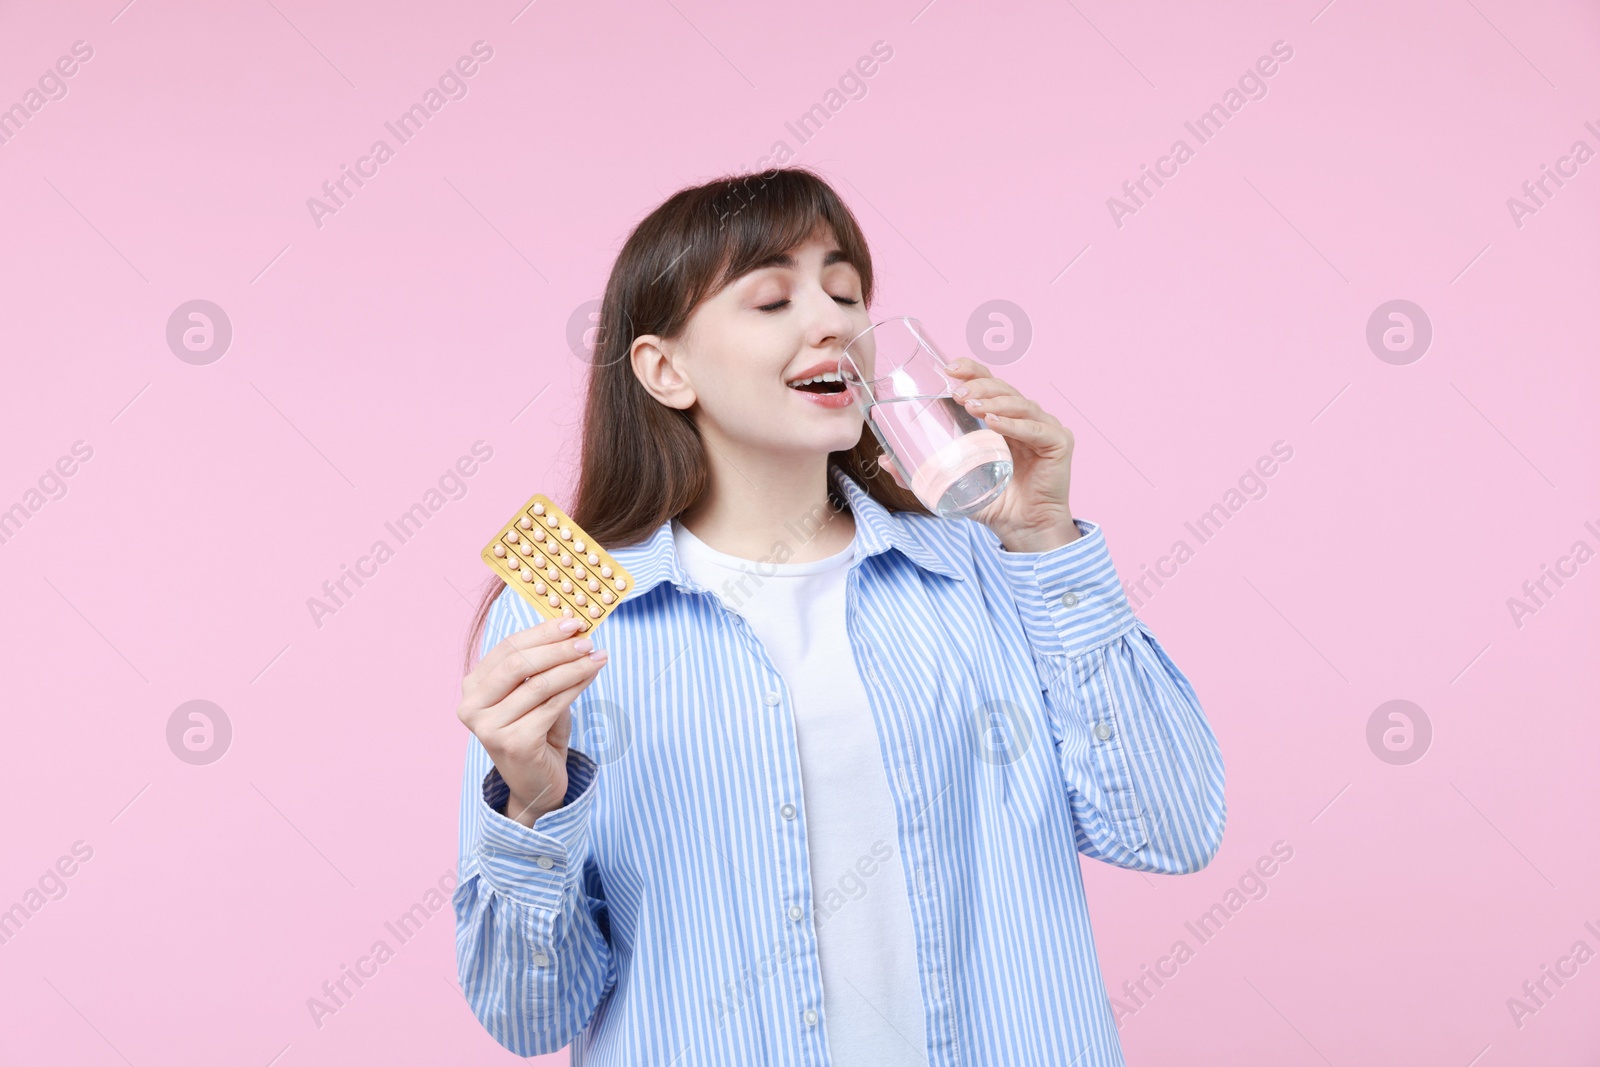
537,864
1070,597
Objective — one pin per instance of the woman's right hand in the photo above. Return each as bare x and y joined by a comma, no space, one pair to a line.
517,702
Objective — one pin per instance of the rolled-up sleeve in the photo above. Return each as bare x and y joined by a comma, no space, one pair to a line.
1141,765
531,945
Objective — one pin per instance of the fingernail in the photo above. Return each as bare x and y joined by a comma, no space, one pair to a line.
582,644
566,626
597,654
959,391
974,404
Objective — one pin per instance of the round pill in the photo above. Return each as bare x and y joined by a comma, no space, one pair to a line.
540,588
525,522
527,575
552,572
579,599
583,625
566,534
607,596
538,535
566,559
593,559
539,561
594,611
511,535
594,585
555,601
566,586
499,549
538,509
549,520
620,584
578,571
566,613
577,546
605,572
524,548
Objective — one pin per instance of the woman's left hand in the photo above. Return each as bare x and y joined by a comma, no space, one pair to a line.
1031,514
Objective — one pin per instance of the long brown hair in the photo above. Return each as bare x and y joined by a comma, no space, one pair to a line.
643,462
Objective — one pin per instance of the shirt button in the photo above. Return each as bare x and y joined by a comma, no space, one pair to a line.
540,959
545,862
811,1017
787,811
772,699
794,912
1070,599
1102,730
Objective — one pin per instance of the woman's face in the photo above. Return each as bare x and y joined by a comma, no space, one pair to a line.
784,321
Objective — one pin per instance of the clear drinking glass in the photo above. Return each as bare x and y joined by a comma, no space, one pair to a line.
952,462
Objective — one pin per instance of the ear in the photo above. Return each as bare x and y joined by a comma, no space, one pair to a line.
657,364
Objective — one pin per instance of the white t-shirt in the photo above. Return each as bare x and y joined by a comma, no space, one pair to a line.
872,1004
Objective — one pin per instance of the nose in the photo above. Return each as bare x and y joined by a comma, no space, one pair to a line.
832,326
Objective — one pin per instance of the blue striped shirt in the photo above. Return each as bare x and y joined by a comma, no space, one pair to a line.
1024,715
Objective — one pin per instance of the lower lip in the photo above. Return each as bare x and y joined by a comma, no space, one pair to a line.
832,401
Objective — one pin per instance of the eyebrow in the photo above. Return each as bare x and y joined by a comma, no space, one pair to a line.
784,259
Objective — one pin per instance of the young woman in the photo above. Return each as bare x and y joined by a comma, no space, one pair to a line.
814,792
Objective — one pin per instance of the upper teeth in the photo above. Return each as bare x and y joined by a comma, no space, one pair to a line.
830,376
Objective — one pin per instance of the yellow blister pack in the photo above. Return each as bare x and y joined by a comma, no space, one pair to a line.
557,567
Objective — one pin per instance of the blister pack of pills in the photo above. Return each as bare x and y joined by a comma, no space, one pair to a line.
557,567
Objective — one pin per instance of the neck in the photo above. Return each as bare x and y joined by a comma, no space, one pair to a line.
769,507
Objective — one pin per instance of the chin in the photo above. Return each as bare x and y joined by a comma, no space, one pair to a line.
823,448
844,442
841,436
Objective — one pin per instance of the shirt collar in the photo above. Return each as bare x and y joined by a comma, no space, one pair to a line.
878,529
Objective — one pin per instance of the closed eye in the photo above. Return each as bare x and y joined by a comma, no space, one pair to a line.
845,300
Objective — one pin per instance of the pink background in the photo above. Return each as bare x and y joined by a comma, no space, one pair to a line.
369,354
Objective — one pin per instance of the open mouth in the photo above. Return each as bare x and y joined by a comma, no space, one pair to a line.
822,383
